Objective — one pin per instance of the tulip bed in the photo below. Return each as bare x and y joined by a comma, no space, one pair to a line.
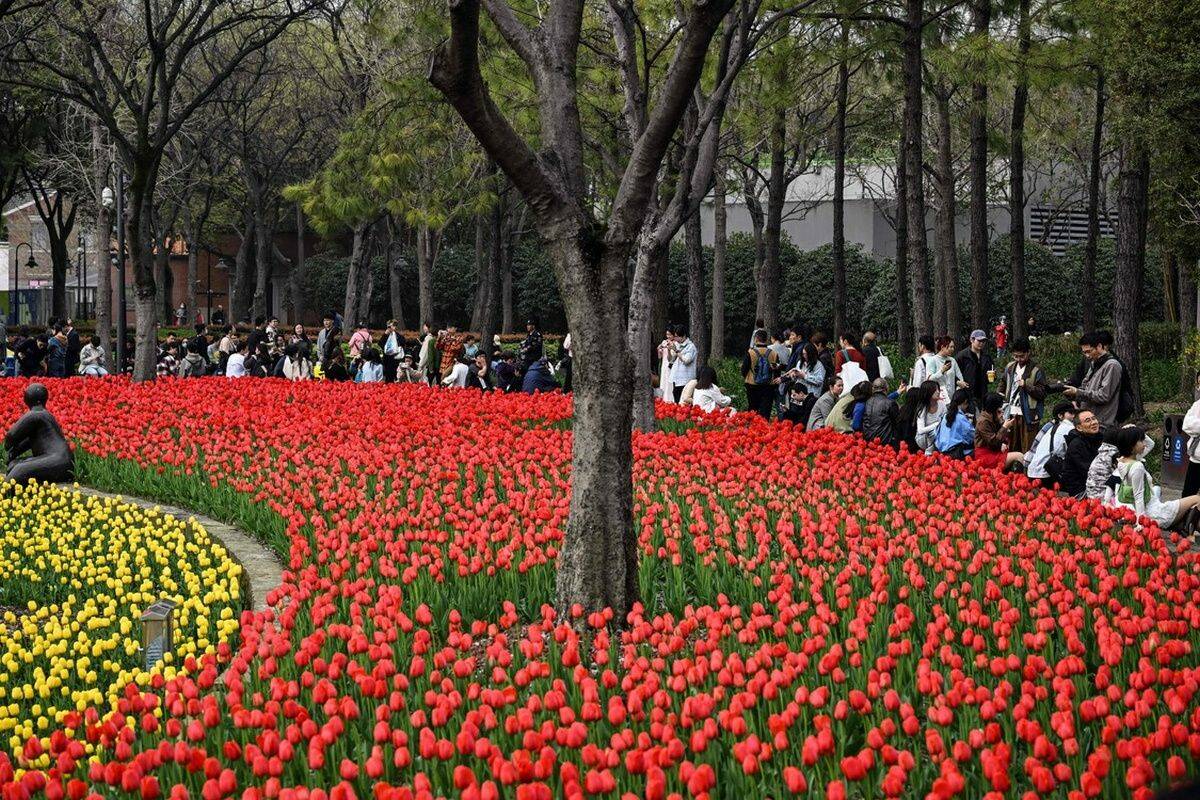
821,617
75,574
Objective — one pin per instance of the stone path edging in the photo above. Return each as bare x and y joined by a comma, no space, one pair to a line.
261,570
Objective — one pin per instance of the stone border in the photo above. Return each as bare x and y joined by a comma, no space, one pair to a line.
261,570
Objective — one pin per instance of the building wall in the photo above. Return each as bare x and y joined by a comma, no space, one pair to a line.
24,226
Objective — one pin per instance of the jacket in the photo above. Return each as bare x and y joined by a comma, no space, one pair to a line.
974,371
837,418
820,411
538,378
872,353
192,366
799,413
1102,467
750,361
958,433
56,358
1191,426
989,433
1081,451
684,368
1101,389
880,420
1031,397
852,354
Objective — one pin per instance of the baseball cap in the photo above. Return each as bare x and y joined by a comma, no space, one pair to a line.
978,334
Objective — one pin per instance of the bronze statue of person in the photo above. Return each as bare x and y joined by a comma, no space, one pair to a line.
38,432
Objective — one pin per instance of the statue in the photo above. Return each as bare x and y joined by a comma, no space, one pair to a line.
38,432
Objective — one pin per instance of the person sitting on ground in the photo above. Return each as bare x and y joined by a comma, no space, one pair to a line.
457,376
800,405
235,362
335,367
508,378
1133,488
881,415
31,356
479,374
1100,473
707,395
758,371
847,413
848,352
407,372
819,416
371,368
539,378
919,418
1083,444
192,365
993,430
1050,442
296,366
257,364
955,435
91,359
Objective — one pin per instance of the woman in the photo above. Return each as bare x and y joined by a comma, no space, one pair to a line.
707,396
992,433
299,334
91,359
335,368
758,371
812,371
955,435
295,366
848,410
666,357
371,369
938,364
919,417
480,374
1191,426
1134,488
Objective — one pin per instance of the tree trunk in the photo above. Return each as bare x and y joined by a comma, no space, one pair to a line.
239,285
904,331
767,284
354,278
104,292
425,255
1016,198
140,239
506,289
395,257
1088,279
839,185
482,270
1187,323
296,277
489,320
642,333
758,220
363,314
981,20
264,256
716,350
598,563
697,308
1128,283
947,247
913,164
162,269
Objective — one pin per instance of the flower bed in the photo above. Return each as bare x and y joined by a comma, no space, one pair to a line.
75,574
821,617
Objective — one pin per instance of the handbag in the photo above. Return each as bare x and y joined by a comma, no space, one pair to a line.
885,367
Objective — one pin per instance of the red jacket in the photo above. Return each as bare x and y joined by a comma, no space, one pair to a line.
839,358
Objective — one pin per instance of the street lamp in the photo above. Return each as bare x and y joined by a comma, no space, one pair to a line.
80,259
116,200
31,265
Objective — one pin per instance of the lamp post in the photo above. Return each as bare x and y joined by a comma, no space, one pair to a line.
31,265
80,254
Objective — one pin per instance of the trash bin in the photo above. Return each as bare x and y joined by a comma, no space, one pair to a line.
1174,452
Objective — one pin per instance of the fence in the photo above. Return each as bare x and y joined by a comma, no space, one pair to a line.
34,306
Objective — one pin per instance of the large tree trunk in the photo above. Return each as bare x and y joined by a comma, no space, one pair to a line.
355,278
426,252
913,165
395,264
697,308
239,284
296,276
1132,206
104,293
981,20
598,563
1187,322
1088,279
506,289
904,332
489,318
482,269
947,247
140,238
839,185
716,350
264,256
768,278
642,333
1016,198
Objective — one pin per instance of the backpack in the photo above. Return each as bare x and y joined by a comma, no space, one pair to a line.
1056,464
762,367
1125,490
1125,402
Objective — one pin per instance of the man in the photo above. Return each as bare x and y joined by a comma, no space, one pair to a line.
168,359
539,378
235,364
74,347
1050,441
31,355
1024,389
168,344
507,378
881,416
800,405
198,346
975,363
795,343
824,405
56,354
393,350
1082,445
258,335
684,367
193,365
871,353
218,316
783,353
272,330
849,352
323,335
406,372
531,348
1100,391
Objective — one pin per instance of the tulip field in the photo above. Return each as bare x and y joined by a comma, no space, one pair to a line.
820,618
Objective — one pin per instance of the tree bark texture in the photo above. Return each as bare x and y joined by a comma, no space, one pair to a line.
1016,192
697,307
913,163
720,243
768,279
239,284
839,185
482,268
296,276
944,230
140,238
651,261
1088,279
904,330
356,282
1129,281
426,253
104,292
981,21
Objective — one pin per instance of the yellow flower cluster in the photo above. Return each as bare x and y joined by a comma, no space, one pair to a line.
76,572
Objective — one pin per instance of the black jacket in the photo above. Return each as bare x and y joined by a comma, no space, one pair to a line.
799,413
872,354
880,419
974,369
1081,451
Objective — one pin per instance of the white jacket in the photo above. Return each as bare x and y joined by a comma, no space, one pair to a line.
710,400
1191,426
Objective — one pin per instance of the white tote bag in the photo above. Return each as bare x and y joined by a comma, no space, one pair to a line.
885,367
